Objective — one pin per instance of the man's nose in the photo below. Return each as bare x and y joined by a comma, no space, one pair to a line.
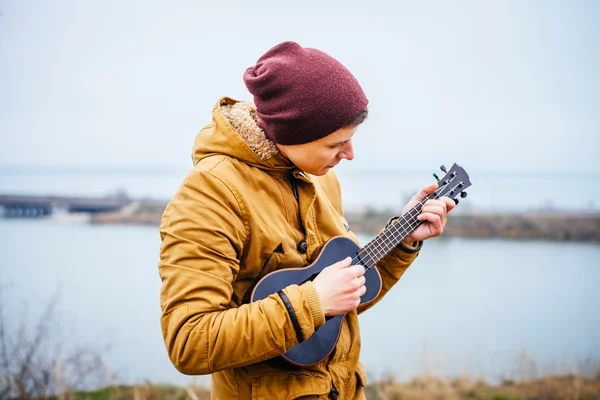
347,152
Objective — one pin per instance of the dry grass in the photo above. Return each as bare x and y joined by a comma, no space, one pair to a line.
146,391
569,387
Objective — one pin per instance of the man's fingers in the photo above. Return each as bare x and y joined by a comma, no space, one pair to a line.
427,190
358,270
450,204
362,280
435,220
359,282
361,291
439,210
444,201
441,202
346,262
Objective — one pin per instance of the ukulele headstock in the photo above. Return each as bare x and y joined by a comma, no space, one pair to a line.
453,183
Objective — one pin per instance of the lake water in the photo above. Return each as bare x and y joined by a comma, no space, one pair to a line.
464,307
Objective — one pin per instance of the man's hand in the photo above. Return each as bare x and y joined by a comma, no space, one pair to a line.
340,286
434,214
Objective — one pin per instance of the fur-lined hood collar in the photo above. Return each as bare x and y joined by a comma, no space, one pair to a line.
235,133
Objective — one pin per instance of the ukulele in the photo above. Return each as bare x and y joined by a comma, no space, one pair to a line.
322,342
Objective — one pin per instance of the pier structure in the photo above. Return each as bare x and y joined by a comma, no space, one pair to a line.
24,206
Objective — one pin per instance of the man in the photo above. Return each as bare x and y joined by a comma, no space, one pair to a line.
262,197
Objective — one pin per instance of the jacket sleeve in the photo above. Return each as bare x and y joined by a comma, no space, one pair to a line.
203,234
391,268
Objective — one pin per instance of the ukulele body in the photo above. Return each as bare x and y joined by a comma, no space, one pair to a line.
323,341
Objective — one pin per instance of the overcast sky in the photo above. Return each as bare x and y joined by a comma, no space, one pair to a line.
493,85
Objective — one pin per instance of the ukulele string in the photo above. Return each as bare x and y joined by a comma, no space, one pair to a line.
411,219
381,247
390,234
378,248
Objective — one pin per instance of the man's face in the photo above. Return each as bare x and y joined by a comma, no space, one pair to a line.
318,157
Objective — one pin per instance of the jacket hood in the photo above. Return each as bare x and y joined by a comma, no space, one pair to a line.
234,132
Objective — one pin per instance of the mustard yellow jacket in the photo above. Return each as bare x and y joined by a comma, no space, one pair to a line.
233,220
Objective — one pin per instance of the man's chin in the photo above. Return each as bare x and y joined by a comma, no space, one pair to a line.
323,171
319,172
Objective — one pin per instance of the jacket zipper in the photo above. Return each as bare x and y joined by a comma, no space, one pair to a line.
295,191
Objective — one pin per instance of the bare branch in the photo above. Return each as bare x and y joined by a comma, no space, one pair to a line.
35,364
42,331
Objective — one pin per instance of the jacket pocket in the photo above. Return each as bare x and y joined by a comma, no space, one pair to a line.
290,386
269,266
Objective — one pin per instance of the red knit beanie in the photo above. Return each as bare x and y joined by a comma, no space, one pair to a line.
302,94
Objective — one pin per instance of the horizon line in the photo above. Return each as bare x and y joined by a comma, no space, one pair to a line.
169,168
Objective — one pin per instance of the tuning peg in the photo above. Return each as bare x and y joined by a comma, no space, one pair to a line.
436,177
456,201
443,168
463,194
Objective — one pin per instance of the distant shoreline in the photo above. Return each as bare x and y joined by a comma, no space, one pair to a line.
554,226
575,226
